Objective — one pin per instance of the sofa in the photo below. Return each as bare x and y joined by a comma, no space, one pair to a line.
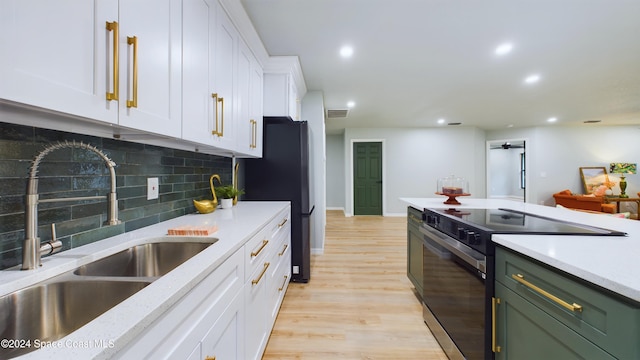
566,199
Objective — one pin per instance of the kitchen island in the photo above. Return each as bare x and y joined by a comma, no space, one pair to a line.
120,329
607,261
556,296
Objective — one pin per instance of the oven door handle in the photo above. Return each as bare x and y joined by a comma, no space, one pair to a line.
470,256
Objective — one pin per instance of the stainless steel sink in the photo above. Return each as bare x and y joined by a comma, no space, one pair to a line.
146,260
50,311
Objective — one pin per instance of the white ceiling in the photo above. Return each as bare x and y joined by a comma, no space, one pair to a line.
416,61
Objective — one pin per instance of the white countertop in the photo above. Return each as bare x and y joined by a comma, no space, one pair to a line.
607,261
128,319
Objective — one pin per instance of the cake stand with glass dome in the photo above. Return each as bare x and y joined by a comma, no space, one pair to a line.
452,187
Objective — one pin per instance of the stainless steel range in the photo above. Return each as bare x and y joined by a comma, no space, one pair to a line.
458,266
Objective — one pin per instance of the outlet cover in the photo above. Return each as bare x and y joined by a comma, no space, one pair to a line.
152,188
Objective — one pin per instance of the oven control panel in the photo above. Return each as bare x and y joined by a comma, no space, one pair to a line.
474,237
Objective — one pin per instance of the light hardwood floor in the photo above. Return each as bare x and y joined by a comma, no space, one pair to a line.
359,303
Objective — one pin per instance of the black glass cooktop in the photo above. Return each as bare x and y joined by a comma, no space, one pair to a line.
506,221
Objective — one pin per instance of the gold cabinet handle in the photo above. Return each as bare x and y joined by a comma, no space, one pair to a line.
283,249
210,358
255,281
214,96
255,253
494,302
415,219
221,133
284,221
219,130
133,40
253,133
572,307
113,26
283,283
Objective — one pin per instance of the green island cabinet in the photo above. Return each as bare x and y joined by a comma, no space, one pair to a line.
543,313
414,249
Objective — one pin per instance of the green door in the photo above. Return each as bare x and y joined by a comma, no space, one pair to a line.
367,178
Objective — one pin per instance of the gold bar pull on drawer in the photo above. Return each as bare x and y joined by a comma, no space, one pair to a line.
284,283
283,249
264,270
572,307
284,221
255,253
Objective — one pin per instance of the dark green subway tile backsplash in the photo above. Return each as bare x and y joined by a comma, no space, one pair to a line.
183,176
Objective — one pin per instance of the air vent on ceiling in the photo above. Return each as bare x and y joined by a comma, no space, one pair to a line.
334,114
592,121
454,123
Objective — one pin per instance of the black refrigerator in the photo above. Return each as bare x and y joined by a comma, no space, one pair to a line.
283,174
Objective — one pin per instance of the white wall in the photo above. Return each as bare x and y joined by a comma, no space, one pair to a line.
313,113
556,152
415,158
335,172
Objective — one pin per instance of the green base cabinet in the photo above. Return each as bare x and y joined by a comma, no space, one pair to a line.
414,249
543,313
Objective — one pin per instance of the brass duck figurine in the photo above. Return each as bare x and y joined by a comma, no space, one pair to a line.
208,206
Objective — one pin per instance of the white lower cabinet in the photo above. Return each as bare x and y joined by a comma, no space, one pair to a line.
256,332
182,328
262,284
231,312
225,338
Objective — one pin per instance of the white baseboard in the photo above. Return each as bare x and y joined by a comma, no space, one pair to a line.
395,214
317,251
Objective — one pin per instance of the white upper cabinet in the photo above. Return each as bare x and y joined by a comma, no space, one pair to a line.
104,60
248,103
55,55
284,87
150,65
256,106
279,96
198,71
226,45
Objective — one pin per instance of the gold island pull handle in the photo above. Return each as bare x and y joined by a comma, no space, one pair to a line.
255,253
210,358
256,281
494,347
284,221
113,26
214,96
283,283
134,41
572,307
283,249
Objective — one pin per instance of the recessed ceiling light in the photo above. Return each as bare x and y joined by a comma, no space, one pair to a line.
510,125
441,121
504,49
346,51
552,119
531,79
351,104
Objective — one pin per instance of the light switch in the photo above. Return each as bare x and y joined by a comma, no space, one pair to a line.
152,188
